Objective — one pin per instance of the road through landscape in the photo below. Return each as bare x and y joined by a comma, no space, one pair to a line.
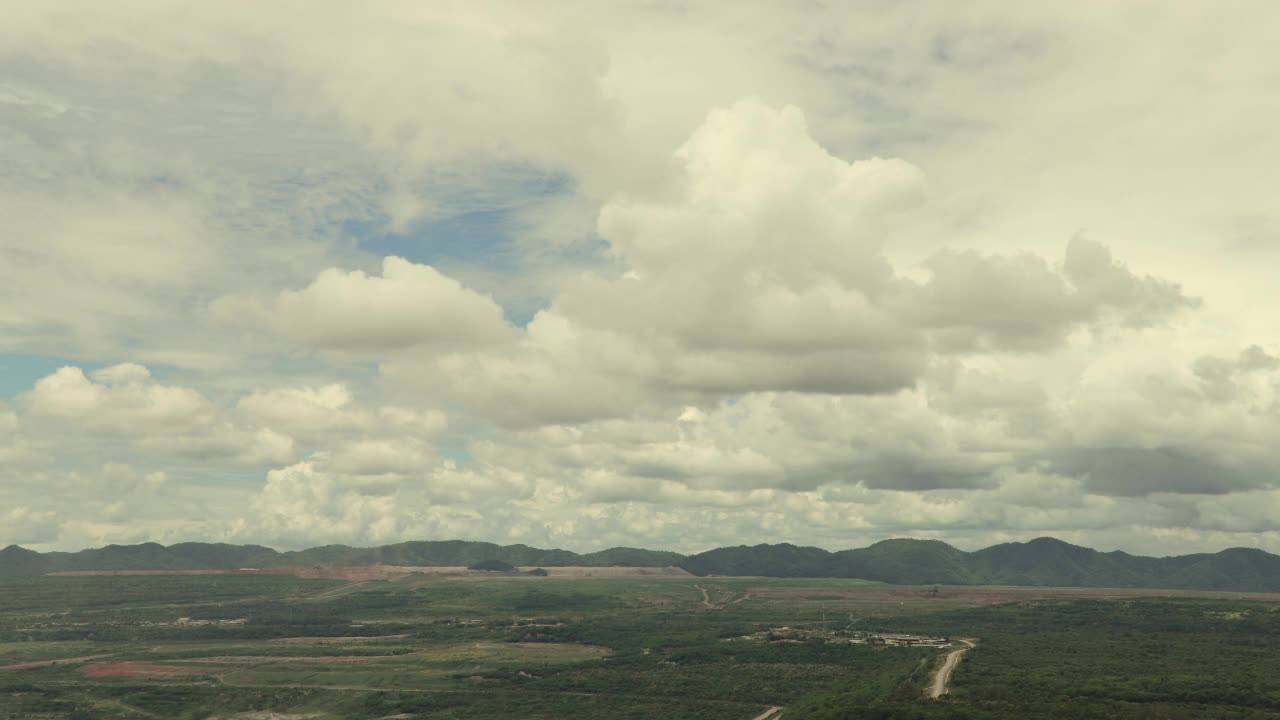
943,676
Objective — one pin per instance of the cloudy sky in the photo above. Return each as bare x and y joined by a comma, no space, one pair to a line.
664,274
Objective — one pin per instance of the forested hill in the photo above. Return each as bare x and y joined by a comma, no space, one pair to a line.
17,561
1044,561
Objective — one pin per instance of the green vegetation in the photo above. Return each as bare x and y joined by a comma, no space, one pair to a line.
20,562
1041,562
1130,659
512,646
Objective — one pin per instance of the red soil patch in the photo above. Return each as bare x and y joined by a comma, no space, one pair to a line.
137,669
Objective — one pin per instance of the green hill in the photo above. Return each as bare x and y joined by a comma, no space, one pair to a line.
1043,562
1039,562
906,562
17,561
783,560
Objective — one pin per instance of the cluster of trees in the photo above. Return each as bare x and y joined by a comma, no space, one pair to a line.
1120,660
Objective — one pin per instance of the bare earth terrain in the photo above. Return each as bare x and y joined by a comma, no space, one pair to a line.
939,686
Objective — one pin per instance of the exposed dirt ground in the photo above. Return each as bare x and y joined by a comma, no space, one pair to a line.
306,660
138,669
938,687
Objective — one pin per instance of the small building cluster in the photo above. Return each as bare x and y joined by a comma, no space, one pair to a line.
851,637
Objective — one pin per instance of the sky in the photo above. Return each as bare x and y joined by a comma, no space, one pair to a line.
654,273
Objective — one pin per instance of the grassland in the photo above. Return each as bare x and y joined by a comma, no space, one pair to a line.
670,647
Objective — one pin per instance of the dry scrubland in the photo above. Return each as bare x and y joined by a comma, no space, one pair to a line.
382,642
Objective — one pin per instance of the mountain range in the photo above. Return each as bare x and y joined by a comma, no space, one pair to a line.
1043,562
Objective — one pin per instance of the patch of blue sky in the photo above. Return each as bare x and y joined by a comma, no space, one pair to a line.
482,237
521,316
475,223
454,449
20,371
476,227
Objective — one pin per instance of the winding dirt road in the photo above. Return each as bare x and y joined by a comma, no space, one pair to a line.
772,712
943,676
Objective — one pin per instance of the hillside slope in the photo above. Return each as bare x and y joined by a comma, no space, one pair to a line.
20,562
1041,562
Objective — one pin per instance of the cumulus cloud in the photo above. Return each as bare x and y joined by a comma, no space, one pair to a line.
309,409
757,268
760,267
983,302
730,307
768,246
408,305
121,398
299,502
380,457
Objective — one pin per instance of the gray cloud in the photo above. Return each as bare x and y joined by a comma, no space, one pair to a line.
975,302
1130,472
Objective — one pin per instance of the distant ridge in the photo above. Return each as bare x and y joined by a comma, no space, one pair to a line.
18,561
1044,562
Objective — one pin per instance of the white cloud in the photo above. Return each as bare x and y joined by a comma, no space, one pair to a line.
427,423
760,267
25,525
123,401
380,457
408,305
306,409
748,315
122,374
299,502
